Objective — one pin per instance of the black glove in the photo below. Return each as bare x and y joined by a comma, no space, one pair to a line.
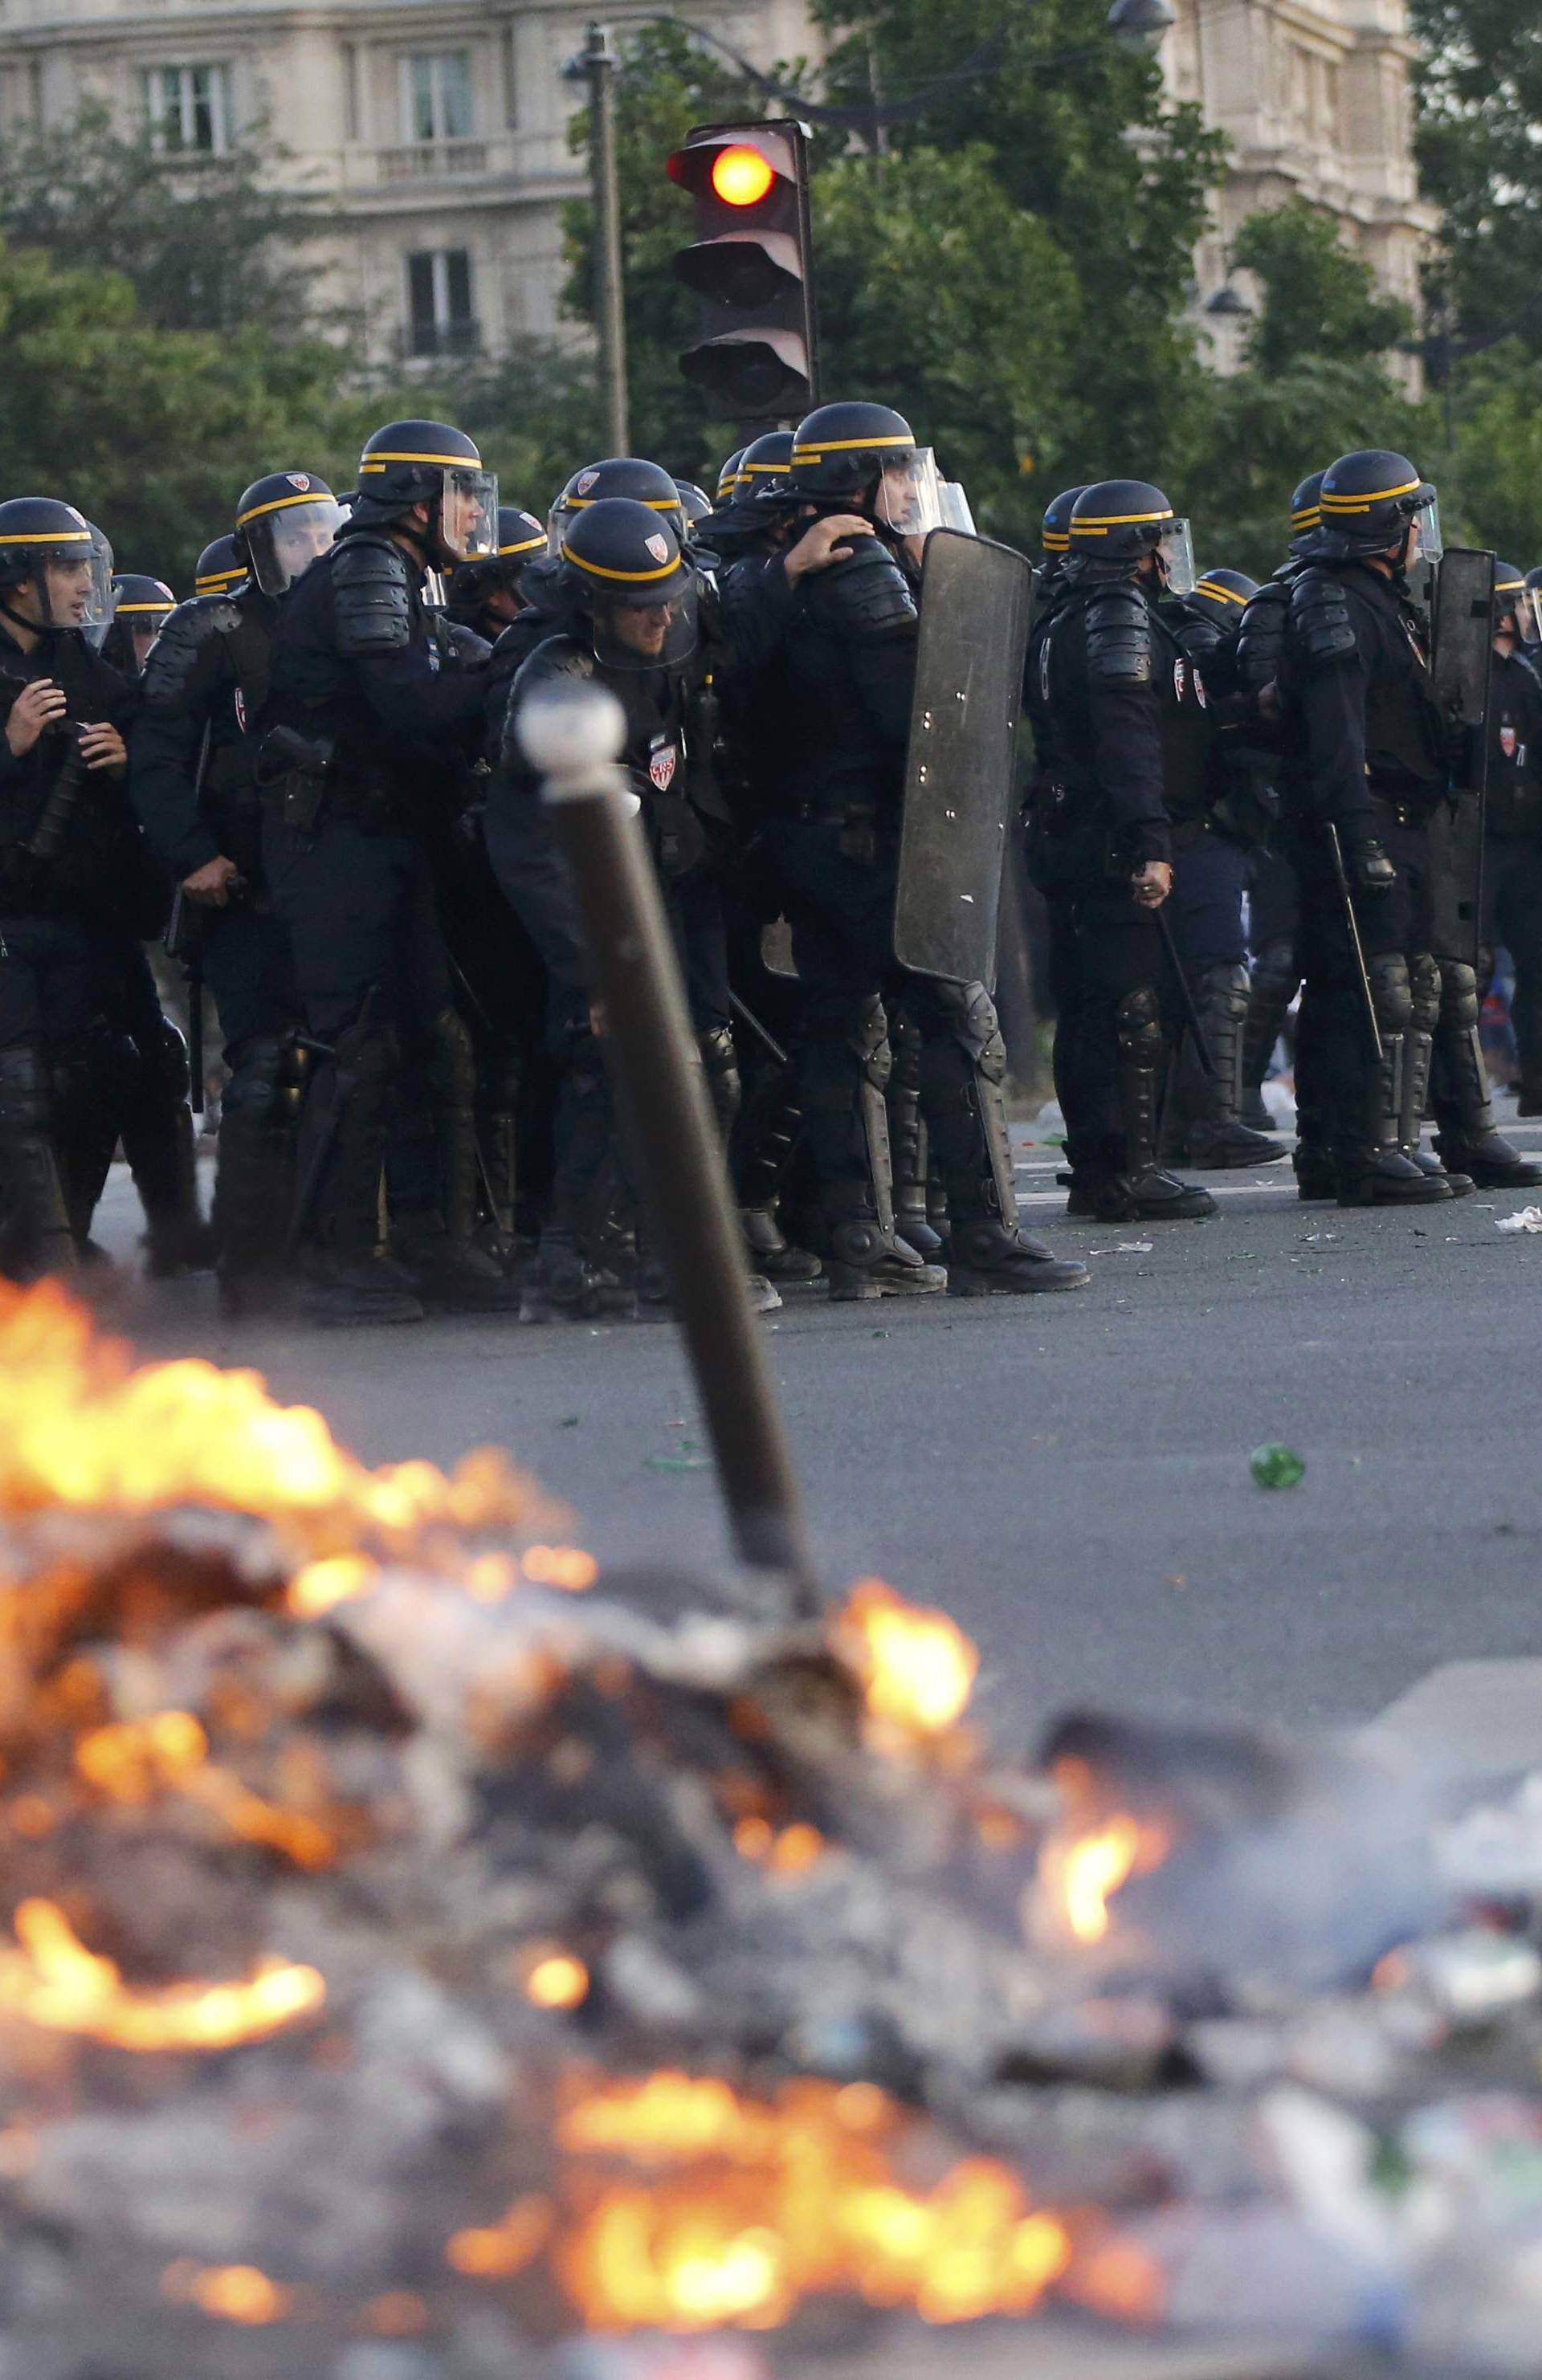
1371,869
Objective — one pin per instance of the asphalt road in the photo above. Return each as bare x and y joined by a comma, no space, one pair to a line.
1069,1476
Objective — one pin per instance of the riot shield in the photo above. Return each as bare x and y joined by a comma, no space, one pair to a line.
1462,666
977,608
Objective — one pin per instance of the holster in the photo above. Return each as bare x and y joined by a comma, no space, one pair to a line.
292,773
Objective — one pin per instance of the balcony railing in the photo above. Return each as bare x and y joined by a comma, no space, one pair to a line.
432,161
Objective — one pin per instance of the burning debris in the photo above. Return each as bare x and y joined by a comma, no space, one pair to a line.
418,1961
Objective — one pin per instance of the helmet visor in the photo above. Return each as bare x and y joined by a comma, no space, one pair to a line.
910,494
468,513
284,541
1176,550
647,630
956,510
1432,544
100,596
1528,617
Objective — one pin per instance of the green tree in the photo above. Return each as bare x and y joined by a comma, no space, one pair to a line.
1316,380
1479,144
206,243
1493,479
153,432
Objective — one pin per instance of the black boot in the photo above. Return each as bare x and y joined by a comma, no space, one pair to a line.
560,1285
158,1142
962,1072
1215,1134
1373,1169
726,1091
1466,1139
344,1127
254,1176
1275,980
1142,1191
35,1235
1424,976
909,1141
767,1142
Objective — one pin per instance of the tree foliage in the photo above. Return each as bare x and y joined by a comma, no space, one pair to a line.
1480,143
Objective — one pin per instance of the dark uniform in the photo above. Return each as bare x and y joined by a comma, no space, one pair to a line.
626,563
1112,698
74,886
1217,805
1365,756
371,721
838,649
1273,907
1512,840
194,785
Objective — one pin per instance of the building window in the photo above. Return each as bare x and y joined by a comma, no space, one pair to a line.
436,95
439,302
187,108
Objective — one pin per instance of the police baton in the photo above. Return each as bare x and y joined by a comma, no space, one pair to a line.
1357,945
1185,997
574,738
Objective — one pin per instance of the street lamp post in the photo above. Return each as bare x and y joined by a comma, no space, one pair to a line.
597,63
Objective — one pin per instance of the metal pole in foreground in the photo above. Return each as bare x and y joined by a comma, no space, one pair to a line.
600,64
574,738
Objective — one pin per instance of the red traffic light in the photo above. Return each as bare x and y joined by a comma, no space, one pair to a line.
741,175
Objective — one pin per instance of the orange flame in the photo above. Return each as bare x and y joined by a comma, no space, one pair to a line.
916,1666
1081,1876
786,2198
81,1428
54,1981
551,1978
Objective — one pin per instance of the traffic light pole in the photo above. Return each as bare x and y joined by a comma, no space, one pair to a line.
599,64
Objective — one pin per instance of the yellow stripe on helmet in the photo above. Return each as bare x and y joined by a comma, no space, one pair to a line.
1100,522
846,446
528,546
629,578
120,609
654,503
1222,594
1055,540
46,537
454,462
311,496
217,581
1363,504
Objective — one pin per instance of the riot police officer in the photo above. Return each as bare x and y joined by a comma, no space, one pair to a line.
1109,678
1512,835
833,620
640,598
142,607
1364,768
71,875
194,786
1275,976
372,715
485,595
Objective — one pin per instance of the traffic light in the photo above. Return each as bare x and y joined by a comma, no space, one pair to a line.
751,264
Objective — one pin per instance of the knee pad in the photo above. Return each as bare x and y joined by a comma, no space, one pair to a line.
1228,987
971,1019
259,1079
1138,1021
1275,971
1391,990
1455,989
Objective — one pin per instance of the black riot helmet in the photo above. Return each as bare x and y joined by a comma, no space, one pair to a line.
628,569
621,476
1115,523
728,477
48,546
1307,515
142,607
428,463
765,467
219,570
283,522
1223,596
840,452
1367,500
1055,534
695,504
520,538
